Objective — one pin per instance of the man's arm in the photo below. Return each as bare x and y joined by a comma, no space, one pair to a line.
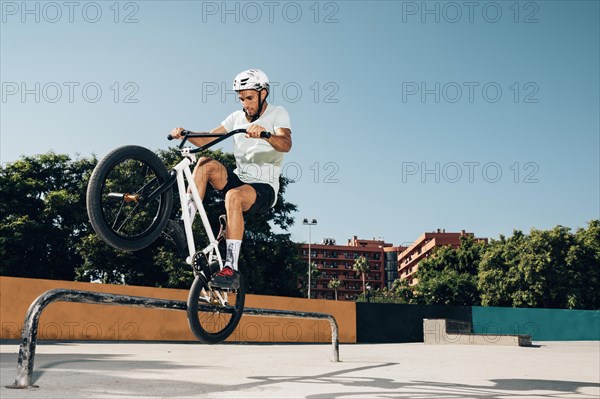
176,134
280,140
200,141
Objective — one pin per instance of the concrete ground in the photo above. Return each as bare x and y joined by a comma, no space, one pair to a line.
185,370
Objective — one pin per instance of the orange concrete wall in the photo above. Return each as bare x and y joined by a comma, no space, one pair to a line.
77,321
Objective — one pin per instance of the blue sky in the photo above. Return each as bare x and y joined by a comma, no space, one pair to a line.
407,116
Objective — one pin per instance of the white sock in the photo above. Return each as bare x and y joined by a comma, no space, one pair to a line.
233,253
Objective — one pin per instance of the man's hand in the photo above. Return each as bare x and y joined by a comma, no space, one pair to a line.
176,133
254,131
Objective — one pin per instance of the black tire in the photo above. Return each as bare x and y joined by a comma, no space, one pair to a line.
126,224
210,321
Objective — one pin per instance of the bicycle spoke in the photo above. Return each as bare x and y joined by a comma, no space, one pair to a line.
132,179
117,217
127,218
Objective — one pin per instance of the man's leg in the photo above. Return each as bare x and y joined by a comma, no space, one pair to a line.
209,170
237,200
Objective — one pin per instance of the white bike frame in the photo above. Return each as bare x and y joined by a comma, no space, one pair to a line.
211,252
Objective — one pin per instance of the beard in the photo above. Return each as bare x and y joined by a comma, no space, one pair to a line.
250,117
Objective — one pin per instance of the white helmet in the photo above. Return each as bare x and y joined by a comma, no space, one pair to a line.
252,79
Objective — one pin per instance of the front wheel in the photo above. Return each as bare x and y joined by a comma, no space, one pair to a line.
213,314
120,204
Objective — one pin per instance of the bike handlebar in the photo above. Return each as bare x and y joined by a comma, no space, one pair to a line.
219,137
188,134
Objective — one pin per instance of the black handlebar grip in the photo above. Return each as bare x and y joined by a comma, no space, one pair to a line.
183,133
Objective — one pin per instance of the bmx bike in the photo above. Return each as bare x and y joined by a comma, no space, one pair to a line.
129,201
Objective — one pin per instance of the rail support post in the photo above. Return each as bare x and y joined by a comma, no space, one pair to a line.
32,319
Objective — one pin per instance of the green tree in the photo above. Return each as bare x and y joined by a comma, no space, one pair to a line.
335,284
547,268
497,277
449,275
361,265
156,265
402,291
42,215
584,256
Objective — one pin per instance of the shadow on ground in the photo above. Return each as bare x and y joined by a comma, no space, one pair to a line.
65,371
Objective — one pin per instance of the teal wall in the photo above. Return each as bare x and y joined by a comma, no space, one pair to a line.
541,324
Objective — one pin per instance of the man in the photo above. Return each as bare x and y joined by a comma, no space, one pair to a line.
253,186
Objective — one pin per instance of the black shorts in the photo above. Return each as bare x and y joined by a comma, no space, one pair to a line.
265,195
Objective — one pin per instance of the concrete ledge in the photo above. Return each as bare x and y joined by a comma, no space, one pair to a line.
446,331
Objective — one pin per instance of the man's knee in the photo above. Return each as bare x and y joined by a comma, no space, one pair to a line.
234,199
210,169
238,199
205,162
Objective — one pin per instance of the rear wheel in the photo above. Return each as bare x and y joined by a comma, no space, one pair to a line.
210,319
118,203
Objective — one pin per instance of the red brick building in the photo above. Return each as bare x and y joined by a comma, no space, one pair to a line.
336,261
387,263
409,258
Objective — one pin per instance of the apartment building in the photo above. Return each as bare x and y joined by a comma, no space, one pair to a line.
387,262
337,261
409,258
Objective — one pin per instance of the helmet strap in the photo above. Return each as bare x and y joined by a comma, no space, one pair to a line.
261,102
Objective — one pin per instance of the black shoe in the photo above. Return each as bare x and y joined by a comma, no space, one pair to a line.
227,278
174,233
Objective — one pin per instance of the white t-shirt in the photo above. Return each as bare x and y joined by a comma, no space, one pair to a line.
256,160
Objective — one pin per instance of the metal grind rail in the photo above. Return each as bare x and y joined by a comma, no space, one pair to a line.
32,318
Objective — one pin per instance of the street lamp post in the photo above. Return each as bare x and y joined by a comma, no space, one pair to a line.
309,224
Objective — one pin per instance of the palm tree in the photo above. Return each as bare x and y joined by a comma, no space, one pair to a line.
361,265
314,274
334,283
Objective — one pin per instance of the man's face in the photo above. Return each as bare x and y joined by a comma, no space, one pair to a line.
249,100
